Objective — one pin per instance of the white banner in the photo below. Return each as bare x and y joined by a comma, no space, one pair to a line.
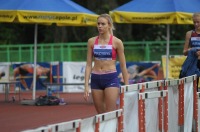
4,74
73,72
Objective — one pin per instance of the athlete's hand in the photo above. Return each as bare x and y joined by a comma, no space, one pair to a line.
86,93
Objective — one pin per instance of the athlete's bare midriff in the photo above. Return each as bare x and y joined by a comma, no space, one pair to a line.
104,66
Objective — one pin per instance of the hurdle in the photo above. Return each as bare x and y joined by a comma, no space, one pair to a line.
132,91
182,102
152,86
40,129
173,104
74,125
105,118
123,90
170,85
150,95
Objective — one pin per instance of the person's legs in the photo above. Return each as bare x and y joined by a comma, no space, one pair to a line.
37,77
111,96
105,91
98,99
24,84
111,91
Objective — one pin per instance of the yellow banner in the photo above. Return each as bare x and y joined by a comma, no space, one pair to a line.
152,18
7,16
184,18
174,66
60,18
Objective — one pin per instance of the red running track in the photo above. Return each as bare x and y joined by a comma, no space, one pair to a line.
15,117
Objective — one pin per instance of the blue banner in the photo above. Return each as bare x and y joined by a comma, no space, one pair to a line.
45,73
139,72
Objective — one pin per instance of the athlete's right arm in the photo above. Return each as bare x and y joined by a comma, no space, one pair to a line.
186,45
88,67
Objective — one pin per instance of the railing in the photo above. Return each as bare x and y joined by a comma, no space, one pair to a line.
134,51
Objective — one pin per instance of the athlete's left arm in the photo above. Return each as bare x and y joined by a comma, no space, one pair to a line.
120,53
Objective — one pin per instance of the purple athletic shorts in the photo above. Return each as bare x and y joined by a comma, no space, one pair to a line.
102,81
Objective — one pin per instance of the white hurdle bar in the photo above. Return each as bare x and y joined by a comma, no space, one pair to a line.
40,129
140,86
154,94
108,116
74,125
152,84
66,126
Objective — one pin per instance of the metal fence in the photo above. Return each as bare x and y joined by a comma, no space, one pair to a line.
134,51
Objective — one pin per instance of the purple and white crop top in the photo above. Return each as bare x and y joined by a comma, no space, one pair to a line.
104,52
195,39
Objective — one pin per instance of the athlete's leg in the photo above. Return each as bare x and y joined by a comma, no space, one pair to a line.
37,77
111,92
98,99
111,96
24,84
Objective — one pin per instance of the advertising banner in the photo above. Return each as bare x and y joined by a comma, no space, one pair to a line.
4,74
174,67
74,73
71,75
140,71
45,73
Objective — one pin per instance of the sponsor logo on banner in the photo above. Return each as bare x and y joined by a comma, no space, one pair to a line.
74,73
80,77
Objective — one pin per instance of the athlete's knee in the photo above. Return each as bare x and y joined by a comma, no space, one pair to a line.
100,107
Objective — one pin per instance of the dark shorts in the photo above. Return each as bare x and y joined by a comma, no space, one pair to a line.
102,81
